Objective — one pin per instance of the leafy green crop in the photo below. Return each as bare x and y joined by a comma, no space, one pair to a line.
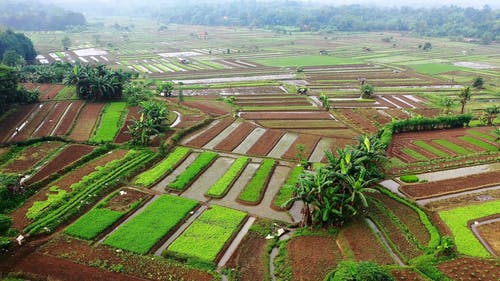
220,188
481,135
452,146
110,122
166,166
286,191
205,238
142,232
52,198
414,154
431,149
200,163
93,223
479,143
253,191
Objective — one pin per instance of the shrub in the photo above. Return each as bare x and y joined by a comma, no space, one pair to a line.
409,178
191,172
366,271
252,192
4,243
5,223
220,188
166,166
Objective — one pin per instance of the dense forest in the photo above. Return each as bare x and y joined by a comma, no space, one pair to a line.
15,46
29,15
445,21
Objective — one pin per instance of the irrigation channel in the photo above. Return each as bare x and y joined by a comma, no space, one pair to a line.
384,241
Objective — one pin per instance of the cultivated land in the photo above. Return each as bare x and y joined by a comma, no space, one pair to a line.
204,208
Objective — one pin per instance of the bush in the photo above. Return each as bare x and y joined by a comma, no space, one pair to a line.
409,178
5,223
365,271
4,243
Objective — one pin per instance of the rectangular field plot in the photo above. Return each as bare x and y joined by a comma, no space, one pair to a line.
166,166
110,122
93,223
207,236
142,232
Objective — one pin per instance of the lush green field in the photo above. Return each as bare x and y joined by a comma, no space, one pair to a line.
219,188
110,122
206,237
142,232
286,191
457,219
479,143
435,68
431,149
200,163
93,223
452,146
309,60
252,192
164,167
414,154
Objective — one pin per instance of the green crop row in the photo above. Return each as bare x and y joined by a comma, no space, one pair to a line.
452,146
481,135
110,122
142,232
457,219
220,188
164,167
93,223
86,190
206,237
414,154
253,191
479,143
36,209
286,191
191,172
431,149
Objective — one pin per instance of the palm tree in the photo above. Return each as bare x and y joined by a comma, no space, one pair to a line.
464,96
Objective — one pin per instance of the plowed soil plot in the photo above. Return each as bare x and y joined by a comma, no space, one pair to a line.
13,120
51,120
249,258
436,188
428,112
236,137
123,134
51,92
134,265
307,115
266,142
86,121
211,133
121,203
27,159
68,118
274,103
312,257
33,122
489,232
407,274
471,269
308,141
364,244
397,113
360,121
19,215
69,155
212,108
190,120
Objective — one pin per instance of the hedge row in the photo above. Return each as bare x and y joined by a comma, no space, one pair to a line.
199,164
166,166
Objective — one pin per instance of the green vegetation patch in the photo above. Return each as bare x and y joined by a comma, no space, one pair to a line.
431,149
435,68
142,232
457,220
306,61
414,154
191,172
220,188
206,237
164,167
409,178
68,92
481,135
252,193
55,195
110,122
452,146
479,143
93,223
286,191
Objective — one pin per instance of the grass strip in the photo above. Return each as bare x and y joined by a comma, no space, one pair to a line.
452,146
414,154
253,191
143,231
206,237
163,168
93,223
220,188
479,143
431,149
191,172
286,191
110,122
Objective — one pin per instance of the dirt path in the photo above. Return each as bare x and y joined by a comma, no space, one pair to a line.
171,177
224,134
377,232
474,227
235,243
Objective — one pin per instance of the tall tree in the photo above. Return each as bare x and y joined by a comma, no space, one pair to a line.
464,96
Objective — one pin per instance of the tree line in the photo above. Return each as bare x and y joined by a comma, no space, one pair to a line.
444,21
16,48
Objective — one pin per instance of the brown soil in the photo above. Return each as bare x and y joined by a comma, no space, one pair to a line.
249,258
286,115
133,114
210,107
190,120
427,112
364,244
276,103
266,142
208,135
397,113
463,200
69,155
489,232
312,257
51,120
359,120
436,188
407,274
13,120
309,142
134,265
86,121
236,137
19,219
69,118
52,92
121,203
33,124
471,269
30,157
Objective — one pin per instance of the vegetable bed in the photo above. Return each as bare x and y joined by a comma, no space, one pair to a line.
164,167
110,122
92,223
254,190
286,191
220,188
199,164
